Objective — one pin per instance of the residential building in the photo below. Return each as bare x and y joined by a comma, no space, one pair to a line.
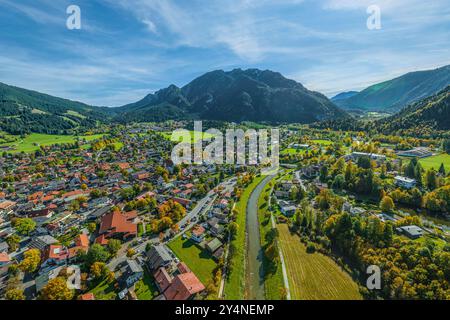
118,225
158,256
184,287
413,232
197,233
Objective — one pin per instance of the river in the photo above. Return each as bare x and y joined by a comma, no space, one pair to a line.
255,271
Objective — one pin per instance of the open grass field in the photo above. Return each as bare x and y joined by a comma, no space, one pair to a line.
33,141
314,276
323,142
292,151
199,261
168,136
435,162
235,282
273,281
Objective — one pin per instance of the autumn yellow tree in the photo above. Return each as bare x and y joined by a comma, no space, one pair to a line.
14,294
387,204
99,270
31,261
56,289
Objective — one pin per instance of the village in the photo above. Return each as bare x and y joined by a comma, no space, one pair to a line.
114,218
111,209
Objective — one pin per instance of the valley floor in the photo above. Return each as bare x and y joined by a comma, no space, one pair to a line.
314,276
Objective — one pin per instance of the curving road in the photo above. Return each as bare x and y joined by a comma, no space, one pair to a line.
255,271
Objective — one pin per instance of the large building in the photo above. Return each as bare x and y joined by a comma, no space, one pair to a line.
118,225
405,182
377,157
419,152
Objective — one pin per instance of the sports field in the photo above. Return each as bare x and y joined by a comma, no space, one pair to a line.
314,276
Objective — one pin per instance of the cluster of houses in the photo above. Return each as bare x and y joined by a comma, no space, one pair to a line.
47,196
175,281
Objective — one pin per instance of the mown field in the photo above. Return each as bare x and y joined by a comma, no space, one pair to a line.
314,276
32,142
235,282
292,151
435,162
168,136
199,261
322,142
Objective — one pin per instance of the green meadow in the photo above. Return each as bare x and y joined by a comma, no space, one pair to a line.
435,162
168,136
32,142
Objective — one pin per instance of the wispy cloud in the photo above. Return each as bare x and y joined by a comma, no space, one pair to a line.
127,48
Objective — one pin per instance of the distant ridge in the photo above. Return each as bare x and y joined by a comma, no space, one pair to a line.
237,95
397,93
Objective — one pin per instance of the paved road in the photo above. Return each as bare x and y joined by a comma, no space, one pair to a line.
255,269
202,206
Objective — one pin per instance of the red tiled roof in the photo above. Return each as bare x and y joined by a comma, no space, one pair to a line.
82,240
163,279
87,296
56,252
183,268
4,257
124,165
198,230
115,222
73,193
6,204
183,287
101,240
74,251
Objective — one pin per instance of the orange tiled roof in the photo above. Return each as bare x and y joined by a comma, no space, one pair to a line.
4,257
116,222
183,287
87,296
82,240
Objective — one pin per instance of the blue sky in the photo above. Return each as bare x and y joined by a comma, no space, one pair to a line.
128,48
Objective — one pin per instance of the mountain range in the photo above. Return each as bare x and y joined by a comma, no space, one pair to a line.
426,116
237,95
24,111
393,95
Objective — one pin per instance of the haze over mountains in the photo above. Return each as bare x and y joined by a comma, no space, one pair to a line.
393,95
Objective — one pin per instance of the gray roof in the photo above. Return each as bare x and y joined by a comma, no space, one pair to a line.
214,244
3,246
158,256
412,230
42,241
134,266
